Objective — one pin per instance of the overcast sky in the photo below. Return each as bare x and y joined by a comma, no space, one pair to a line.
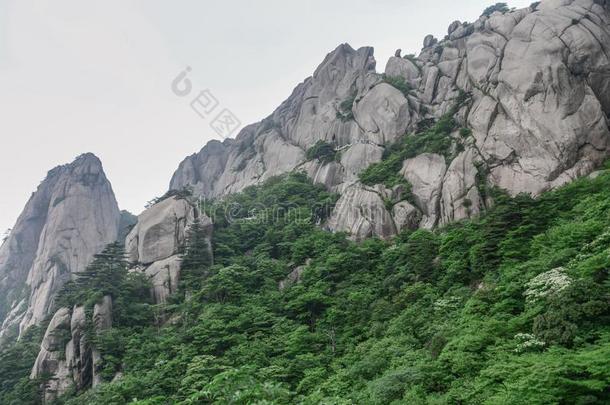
94,76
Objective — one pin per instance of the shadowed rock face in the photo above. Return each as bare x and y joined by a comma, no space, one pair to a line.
72,215
537,81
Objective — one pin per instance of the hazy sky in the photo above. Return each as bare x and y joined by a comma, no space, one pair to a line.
94,76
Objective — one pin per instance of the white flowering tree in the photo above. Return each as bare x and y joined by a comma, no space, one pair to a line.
547,284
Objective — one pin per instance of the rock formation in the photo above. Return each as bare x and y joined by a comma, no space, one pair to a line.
154,244
72,215
529,88
66,357
533,87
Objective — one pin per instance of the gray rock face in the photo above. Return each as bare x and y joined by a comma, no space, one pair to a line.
159,231
406,216
164,276
425,173
154,243
65,354
400,67
72,215
536,83
102,321
51,360
361,212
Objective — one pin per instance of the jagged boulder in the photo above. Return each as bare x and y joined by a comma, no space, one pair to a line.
406,216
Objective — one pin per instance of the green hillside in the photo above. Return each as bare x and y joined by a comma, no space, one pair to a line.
511,308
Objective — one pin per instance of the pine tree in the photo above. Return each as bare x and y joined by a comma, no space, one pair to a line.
105,275
196,255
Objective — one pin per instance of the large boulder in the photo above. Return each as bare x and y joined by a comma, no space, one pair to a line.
164,276
383,113
160,231
362,213
425,173
401,67
154,244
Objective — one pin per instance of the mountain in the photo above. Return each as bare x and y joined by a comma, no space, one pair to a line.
70,217
480,165
529,88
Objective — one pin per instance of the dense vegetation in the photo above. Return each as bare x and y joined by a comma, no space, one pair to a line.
510,308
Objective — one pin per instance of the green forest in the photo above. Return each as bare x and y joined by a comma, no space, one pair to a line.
508,308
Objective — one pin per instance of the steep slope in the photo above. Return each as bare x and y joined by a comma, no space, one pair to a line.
529,87
72,215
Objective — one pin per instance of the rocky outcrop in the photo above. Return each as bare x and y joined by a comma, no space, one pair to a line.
294,277
425,174
153,245
67,359
278,144
164,276
102,321
51,360
361,211
530,84
72,215
159,231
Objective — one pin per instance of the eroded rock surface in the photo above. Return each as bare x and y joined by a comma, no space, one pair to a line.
153,245
533,86
67,357
72,215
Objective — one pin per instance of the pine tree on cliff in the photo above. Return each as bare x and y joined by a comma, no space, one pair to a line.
103,276
196,255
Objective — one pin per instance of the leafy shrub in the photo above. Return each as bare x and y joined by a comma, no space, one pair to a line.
434,140
399,83
346,112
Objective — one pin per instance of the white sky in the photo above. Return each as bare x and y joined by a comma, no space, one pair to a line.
94,76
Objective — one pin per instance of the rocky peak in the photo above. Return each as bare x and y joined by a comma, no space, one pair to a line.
530,88
72,215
